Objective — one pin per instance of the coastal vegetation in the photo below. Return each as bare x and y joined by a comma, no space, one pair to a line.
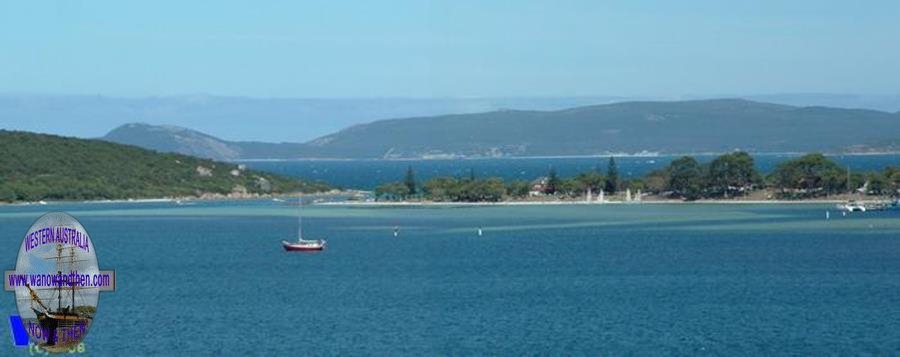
37,167
612,176
728,176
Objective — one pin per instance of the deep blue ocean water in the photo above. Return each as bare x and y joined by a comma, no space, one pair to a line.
367,174
697,279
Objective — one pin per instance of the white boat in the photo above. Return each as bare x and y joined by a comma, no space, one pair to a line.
852,206
302,245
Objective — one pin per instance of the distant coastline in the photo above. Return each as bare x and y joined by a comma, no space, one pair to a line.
624,129
543,157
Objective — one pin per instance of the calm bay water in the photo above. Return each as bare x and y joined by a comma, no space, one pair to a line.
367,174
211,279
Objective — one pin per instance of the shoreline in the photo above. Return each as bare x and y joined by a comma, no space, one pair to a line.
438,203
586,203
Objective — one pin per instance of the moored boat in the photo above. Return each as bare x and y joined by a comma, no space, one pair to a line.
880,205
852,206
304,245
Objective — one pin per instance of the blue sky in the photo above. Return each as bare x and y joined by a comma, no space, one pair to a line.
449,48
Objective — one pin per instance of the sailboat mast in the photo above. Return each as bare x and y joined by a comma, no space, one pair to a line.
300,217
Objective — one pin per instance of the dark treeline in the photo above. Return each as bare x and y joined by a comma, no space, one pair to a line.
727,176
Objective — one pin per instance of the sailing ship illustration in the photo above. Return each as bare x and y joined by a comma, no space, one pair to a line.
62,322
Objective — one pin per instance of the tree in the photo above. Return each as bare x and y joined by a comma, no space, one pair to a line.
809,175
491,189
553,182
410,181
876,184
657,181
570,187
612,176
635,185
892,180
857,181
7,194
518,188
441,189
392,191
731,174
685,177
590,180
465,190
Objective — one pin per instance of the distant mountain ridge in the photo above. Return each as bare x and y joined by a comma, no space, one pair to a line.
718,125
258,119
248,118
170,138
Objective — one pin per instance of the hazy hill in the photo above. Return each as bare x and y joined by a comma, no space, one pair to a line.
168,138
263,119
885,103
632,127
243,118
39,166
174,139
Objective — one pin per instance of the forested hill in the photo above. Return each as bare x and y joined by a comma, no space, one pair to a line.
712,126
47,167
632,127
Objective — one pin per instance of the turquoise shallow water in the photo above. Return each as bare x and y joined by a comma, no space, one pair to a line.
211,279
